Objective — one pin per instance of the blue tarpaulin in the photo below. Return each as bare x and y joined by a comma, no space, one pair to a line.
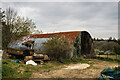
16,61
109,74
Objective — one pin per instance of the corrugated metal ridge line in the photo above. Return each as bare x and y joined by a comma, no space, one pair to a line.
72,35
27,42
52,34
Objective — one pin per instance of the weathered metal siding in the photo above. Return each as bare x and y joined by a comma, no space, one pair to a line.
81,40
71,35
38,43
16,44
77,46
86,44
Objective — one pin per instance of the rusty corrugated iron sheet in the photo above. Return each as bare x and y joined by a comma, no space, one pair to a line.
71,35
28,42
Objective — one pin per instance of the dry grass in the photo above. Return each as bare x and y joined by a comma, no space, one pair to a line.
109,56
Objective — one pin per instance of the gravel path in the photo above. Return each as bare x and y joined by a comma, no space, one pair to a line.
77,70
77,66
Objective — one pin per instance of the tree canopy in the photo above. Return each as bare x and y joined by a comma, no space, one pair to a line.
14,26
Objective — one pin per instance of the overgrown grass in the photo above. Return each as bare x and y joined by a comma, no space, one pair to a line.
14,70
8,72
18,70
110,56
75,60
106,59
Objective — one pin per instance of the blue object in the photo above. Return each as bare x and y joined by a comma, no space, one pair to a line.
16,61
109,74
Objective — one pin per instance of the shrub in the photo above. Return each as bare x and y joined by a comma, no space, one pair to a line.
57,48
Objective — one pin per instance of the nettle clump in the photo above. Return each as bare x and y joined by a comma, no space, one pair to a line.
58,48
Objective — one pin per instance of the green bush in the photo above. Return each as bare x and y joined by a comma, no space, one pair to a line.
57,48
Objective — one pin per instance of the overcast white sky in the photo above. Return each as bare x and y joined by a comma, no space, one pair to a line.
100,19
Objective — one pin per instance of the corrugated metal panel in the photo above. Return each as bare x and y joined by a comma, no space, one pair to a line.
38,43
28,42
71,35
41,38
16,44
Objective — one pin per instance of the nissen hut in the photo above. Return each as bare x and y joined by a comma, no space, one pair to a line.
81,41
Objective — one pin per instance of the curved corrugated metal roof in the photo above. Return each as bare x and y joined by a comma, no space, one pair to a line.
72,35
28,42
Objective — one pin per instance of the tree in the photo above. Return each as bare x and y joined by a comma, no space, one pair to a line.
117,50
110,39
14,26
22,26
94,39
36,31
1,16
118,41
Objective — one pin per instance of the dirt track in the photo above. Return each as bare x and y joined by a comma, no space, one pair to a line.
90,72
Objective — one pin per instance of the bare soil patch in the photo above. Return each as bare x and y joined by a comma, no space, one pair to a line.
79,70
77,66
